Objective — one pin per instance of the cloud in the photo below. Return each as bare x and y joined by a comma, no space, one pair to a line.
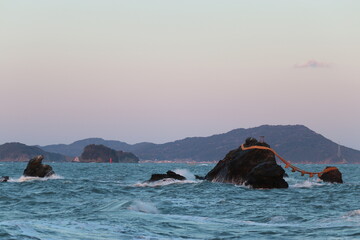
313,64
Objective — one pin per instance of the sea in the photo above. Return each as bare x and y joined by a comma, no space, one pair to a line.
97,201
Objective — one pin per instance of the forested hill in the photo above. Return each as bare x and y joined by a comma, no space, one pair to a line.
101,153
296,143
22,153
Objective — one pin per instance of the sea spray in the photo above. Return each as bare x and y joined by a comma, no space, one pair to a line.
307,184
27,178
186,173
163,182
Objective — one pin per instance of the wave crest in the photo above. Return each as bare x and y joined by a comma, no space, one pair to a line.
163,182
27,178
353,213
306,184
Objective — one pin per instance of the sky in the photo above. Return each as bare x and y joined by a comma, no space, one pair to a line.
162,70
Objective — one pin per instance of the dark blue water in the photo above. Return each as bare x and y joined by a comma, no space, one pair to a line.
109,201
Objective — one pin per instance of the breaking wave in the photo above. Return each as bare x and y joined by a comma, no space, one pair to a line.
163,182
306,184
186,173
27,179
190,178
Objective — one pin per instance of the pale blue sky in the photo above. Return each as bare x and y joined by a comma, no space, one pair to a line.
163,70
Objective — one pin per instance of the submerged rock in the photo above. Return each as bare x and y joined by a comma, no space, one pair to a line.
255,167
197,177
4,179
168,175
333,176
35,168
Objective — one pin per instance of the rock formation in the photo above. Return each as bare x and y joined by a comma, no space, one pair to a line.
255,167
168,175
101,153
35,168
4,179
333,176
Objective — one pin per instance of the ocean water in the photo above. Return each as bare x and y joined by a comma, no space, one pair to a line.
110,201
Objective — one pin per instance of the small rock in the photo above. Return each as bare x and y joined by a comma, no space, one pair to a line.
35,168
169,174
333,176
4,179
199,177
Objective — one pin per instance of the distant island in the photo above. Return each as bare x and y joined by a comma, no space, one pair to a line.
296,143
101,153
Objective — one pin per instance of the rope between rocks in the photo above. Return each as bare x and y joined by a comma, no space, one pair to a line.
288,164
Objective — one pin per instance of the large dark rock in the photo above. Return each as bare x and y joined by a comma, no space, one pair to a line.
267,175
35,168
333,176
255,167
168,175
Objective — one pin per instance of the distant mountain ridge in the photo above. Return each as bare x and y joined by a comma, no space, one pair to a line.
22,153
75,149
295,143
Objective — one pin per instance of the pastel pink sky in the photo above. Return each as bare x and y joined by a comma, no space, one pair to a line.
163,70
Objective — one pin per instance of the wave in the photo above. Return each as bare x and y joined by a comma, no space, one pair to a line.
277,221
136,205
163,182
190,178
353,213
306,184
27,179
146,207
113,206
186,173
56,230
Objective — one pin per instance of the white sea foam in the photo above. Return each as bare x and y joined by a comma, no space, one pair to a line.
27,179
145,207
353,213
186,173
277,219
163,182
306,184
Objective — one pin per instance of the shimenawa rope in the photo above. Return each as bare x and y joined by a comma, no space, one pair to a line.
287,164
